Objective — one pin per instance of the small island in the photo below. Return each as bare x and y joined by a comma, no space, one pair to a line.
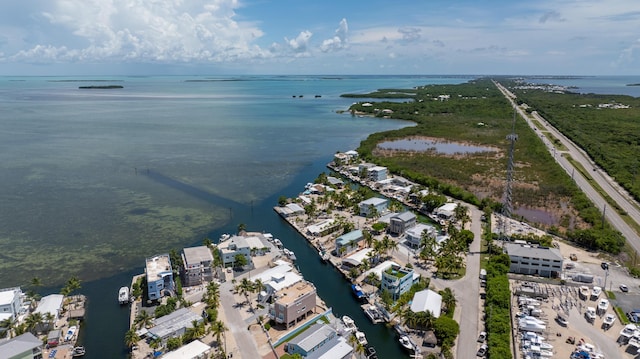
636,84
107,87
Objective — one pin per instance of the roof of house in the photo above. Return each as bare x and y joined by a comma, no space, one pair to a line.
430,337
50,304
7,295
192,350
373,201
271,272
337,349
427,300
447,208
254,242
171,323
197,255
405,216
377,169
525,250
334,180
294,207
290,294
19,345
283,280
380,268
349,237
417,230
157,265
320,226
357,258
313,336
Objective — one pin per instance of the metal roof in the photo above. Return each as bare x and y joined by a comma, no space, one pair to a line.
524,250
19,345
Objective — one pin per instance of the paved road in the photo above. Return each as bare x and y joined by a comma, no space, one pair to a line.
618,195
237,326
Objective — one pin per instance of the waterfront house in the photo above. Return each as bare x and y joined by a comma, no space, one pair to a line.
377,173
25,346
534,260
416,197
10,303
174,324
373,206
50,305
427,301
159,276
349,241
397,280
290,210
232,247
293,303
377,270
446,211
324,227
194,350
399,223
277,282
356,259
413,235
197,268
320,341
335,182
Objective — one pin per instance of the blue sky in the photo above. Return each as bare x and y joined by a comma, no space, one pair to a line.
555,37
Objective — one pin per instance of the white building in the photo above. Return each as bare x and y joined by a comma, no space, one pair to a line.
427,300
377,173
534,260
371,205
50,304
10,303
446,211
159,276
413,235
357,258
232,247
194,350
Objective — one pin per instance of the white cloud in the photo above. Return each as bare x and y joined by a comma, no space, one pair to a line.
300,43
148,31
410,34
339,40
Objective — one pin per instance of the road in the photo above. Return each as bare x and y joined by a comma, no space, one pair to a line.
619,196
244,342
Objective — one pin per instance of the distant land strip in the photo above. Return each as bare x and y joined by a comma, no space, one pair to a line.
107,87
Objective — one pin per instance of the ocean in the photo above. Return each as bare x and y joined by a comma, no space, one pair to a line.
96,180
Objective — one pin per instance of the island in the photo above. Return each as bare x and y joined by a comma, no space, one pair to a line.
102,87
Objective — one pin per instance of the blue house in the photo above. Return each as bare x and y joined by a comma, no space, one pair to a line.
159,276
373,206
397,280
349,241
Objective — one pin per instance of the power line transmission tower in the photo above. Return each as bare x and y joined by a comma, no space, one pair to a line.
506,205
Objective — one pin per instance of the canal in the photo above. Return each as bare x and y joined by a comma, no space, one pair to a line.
106,322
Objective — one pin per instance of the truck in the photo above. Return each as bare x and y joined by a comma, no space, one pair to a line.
483,273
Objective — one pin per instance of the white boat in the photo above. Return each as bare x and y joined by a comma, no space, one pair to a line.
123,295
374,314
406,342
324,255
78,352
531,326
349,324
603,305
277,242
224,237
595,293
562,320
70,333
584,292
590,314
608,321
362,339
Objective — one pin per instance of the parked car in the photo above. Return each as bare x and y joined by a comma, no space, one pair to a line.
604,265
624,288
633,317
482,337
482,351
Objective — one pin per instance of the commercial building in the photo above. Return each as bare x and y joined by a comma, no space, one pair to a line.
534,260
397,280
198,263
293,303
401,222
10,303
159,276
25,346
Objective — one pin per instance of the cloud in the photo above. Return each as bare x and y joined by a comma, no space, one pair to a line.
300,43
551,16
339,40
628,54
146,31
410,34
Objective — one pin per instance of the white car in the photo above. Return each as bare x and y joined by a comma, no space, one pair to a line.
482,337
624,288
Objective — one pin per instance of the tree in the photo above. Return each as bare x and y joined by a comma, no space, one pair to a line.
197,330
218,329
245,287
143,320
72,285
239,261
242,228
282,201
174,343
448,299
212,295
33,322
446,329
428,244
461,214
131,338
176,260
368,238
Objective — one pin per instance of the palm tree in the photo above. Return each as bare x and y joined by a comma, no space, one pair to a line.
245,287
428,244
461,214
212,295
196,331
131,338
242,228
258,286
33,321
7,325
143,319
448,298
368,238
218,329
50,319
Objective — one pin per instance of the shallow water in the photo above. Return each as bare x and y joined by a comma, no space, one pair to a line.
427,145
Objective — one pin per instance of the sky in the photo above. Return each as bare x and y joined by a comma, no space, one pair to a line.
190,37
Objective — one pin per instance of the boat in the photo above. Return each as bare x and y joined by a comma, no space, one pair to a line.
277,242
590,314
608,321
603,305
595,293
584,292
123,295
289,254
361,338
531,326
358,292
406,342
374,314
349,324
70,333
371,353
78,352
224,237
562,320
324,255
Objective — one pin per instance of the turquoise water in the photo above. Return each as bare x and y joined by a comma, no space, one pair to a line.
94,181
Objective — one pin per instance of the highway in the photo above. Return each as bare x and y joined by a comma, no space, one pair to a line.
613,190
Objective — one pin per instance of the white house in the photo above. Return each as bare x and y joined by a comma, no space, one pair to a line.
446,211
377,173
427,300
194,350
371,205
413,235
10,303
232,247
50,304
159,276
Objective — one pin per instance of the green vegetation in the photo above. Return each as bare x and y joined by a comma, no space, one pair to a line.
497,307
